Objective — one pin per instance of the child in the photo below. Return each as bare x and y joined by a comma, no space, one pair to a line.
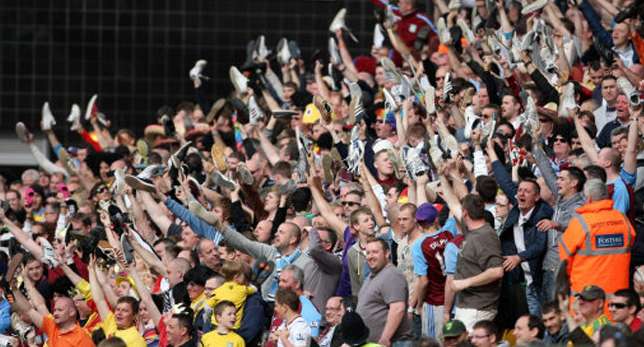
235,289
294,330
223,335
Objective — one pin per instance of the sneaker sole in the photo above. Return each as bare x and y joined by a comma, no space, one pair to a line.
139,184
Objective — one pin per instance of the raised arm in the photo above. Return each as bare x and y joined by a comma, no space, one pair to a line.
22,237
630,157
97,291
149,258
350,71
587,143
156,213
324,207
21,304
144,294
368,182
35,298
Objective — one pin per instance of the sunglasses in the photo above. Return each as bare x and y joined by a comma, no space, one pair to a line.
617,305
350,203
560,139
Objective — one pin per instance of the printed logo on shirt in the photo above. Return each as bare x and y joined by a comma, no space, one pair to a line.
412,28
609,241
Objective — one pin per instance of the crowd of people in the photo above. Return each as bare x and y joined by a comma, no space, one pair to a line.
473,181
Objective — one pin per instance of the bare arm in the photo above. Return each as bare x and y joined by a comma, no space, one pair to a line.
587,143
35,298
325,208
110,295
156,213
630,157
398,44
22,237
394,317
151,259
450,198
450,294
350,71
22,304
488,276
270,150
144,294
372,200
97,291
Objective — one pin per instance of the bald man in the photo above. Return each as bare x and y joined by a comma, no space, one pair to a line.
62,327
610,160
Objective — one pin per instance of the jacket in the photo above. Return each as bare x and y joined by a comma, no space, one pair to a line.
535,240
597,245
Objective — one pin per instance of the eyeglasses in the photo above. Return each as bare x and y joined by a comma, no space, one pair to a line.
350,203
617,305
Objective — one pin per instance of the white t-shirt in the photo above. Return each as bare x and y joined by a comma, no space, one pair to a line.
299,332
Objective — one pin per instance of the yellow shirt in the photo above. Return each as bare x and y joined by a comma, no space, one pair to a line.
235,293
215,339
130,335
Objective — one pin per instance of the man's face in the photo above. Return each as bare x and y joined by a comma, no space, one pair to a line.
620,34
484,97
383,129
623,113
124,315
334,310
194,290
175,331
14,201
561,146
262,231
527,196
406,6
406,220
590,309
208,254
283,237
63,311
288,281
596,75
481,338
619,143
175,275
553,322
509,108
211,284
51,216
34,270
383,164
188,238
565,183
609,90
619,309
377,257
350,203
365,224
522,331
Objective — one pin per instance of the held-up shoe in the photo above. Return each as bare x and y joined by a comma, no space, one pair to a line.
334,53
454,5
356,152
339,23
390,102
47,121
23,133
139,183
378,36
195,72
534,6
391,72
92,109
177,158
255,113
447,86
430,99
356,109
281,113
261,51
283,52
567,99
119,182
240,82
390,17
467,32
287,187
628,89
221,180
325,108
245,176
443,33
151,171
74,118
249,63
295,50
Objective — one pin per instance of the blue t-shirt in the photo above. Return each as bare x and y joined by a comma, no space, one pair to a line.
451,258
310,315
621,198
417,256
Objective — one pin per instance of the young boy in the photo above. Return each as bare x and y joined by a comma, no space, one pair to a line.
294,331
235,289
223,335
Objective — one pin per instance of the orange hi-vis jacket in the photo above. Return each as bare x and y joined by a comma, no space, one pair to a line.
597,245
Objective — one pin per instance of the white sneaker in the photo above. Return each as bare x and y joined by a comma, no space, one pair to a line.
48,120
430,99
91,109
378,36
339,23
356,107
467,31
454,5
119,182
443,33
23,133
195,72
391,72
628,89
240,82
283,52
534,6
255,113
447,86
262,51
356,152
74,117
334,52
390,102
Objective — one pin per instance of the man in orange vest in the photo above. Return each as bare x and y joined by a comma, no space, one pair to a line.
597,242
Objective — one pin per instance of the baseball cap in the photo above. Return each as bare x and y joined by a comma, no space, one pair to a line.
453,328
591,292
426,213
